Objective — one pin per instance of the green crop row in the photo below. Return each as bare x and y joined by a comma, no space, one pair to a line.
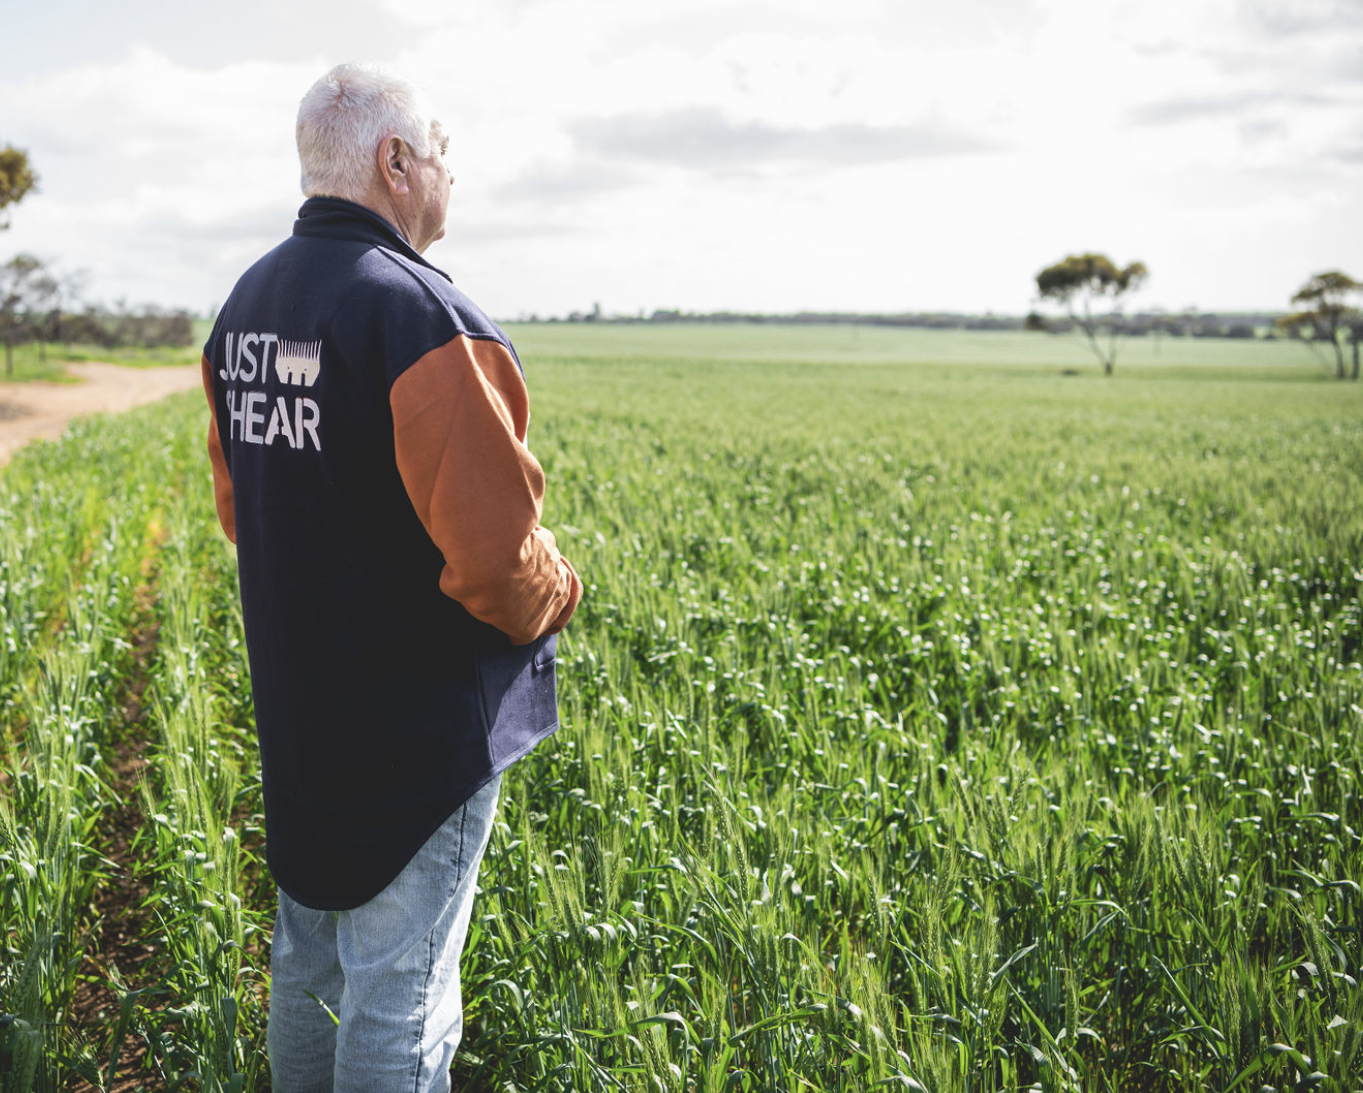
942,727
102,668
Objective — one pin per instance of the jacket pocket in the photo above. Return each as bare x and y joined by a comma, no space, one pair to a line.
517,687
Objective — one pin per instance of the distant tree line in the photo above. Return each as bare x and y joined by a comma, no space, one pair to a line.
934,320
1184,324
1194,324
39,304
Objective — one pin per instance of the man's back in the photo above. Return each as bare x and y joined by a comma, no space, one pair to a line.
401,600
381,702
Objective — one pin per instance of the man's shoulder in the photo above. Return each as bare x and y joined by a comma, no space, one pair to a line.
357,293
420,289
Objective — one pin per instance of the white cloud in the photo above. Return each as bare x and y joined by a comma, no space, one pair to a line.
702,138
146,165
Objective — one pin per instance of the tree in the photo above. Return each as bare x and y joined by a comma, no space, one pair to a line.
25,284
17,178
1082,280
1329,315
60,325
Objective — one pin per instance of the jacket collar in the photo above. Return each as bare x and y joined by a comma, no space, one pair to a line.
336,218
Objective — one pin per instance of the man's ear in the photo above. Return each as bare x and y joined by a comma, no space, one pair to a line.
393,164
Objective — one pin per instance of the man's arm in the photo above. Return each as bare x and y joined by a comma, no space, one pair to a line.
459,423
222,481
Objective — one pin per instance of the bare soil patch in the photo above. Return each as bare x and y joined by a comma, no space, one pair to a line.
40,410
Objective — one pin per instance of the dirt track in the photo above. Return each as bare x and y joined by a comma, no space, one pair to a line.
29,411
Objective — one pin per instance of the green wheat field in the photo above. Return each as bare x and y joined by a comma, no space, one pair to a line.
941,715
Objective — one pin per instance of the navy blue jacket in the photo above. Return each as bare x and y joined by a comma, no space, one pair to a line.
400,598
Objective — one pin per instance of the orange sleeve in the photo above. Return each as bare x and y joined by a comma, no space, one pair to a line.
222,481
459,423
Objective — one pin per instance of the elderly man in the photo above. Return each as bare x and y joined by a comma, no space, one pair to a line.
368,443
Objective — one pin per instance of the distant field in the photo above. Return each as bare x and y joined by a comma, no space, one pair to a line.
817,344
934,719
904,345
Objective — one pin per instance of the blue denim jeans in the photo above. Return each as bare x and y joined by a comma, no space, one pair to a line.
388,970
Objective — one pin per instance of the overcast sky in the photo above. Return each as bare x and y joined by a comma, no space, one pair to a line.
769,155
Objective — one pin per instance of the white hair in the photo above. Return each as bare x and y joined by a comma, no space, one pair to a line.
344,118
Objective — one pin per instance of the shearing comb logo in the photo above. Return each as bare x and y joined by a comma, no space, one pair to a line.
299,363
